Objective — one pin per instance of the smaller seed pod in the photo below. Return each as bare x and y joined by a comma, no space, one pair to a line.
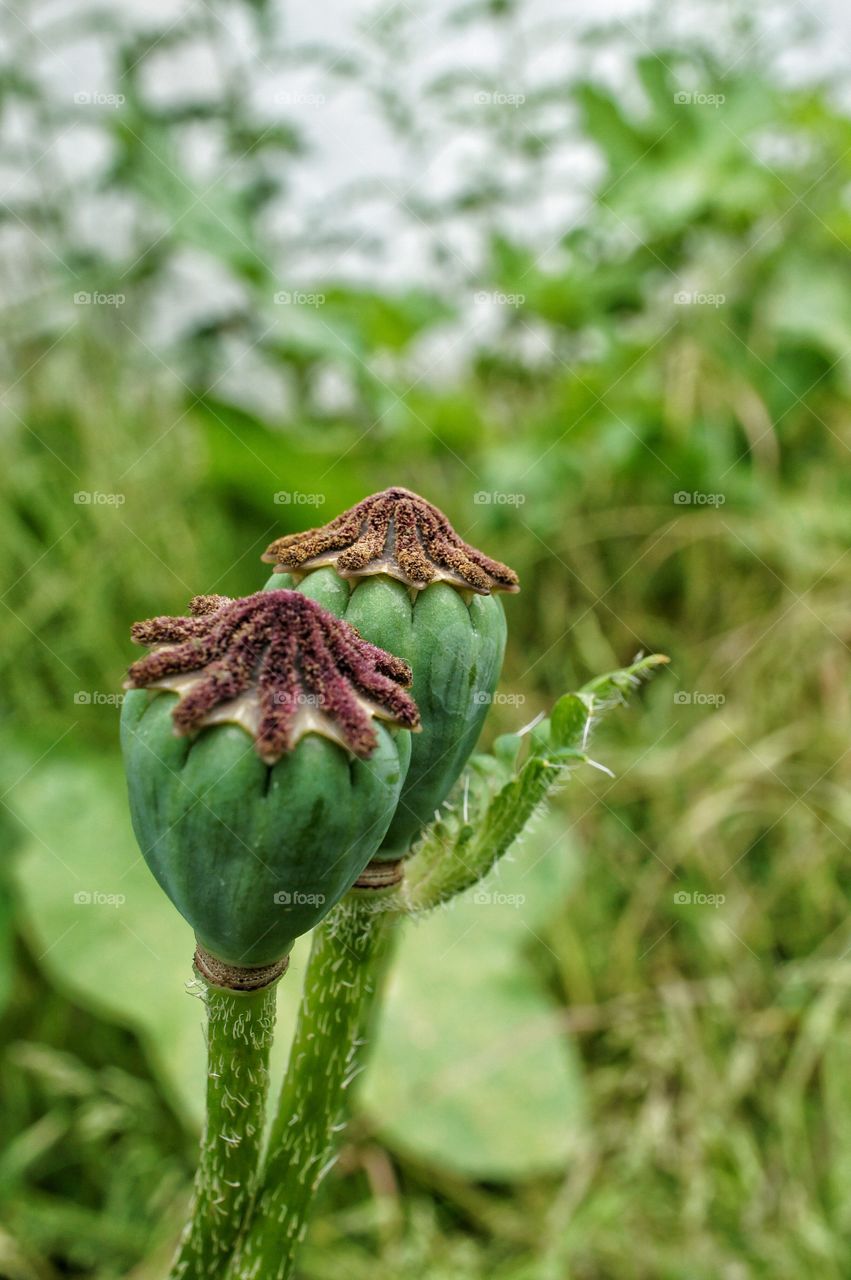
394,567
265,745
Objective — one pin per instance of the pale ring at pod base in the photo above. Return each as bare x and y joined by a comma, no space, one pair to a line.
394,567
266,744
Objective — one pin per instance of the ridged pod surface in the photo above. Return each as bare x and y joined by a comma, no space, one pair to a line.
259,791
394,568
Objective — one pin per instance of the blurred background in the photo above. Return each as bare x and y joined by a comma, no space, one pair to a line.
581,280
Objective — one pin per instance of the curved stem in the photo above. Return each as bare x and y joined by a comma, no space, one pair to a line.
343,979
239,1036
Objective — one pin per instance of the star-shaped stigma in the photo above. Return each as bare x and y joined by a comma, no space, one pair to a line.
398,533
277,664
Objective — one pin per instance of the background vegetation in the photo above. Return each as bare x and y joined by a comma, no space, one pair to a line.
622,366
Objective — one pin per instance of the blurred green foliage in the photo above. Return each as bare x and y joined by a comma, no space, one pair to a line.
650,421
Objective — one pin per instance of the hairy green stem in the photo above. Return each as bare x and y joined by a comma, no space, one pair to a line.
240,1025
343,979
448,862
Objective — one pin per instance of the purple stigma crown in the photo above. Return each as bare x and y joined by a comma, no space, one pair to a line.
277,664
398,533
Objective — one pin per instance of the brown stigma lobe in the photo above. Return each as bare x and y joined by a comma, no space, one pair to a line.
398,533
278,664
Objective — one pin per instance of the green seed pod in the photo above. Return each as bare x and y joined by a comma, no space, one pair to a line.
395,568
255,842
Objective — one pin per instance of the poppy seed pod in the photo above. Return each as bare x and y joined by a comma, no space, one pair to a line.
255,841
394,567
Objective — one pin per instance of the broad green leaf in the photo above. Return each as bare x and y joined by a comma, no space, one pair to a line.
104,931
472,1070
808,304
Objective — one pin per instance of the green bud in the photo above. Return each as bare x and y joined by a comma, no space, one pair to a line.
265,758
394,567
